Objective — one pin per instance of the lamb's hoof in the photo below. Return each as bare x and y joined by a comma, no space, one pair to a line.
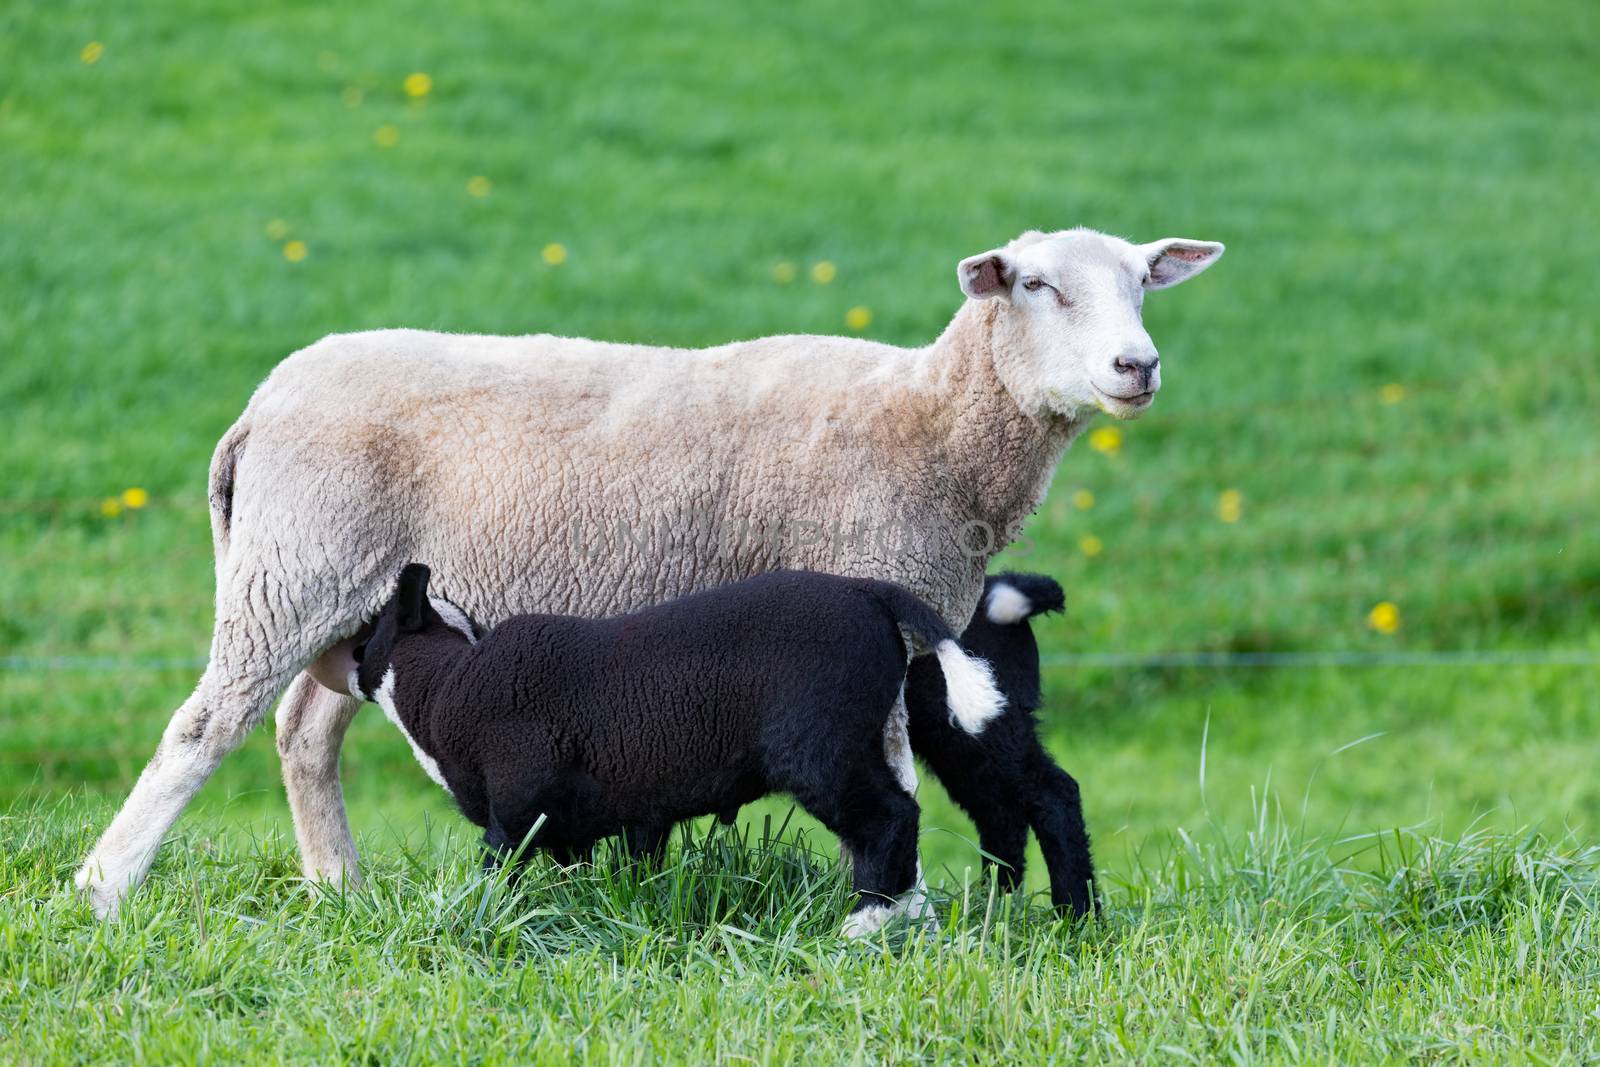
915,902
867,921
920,910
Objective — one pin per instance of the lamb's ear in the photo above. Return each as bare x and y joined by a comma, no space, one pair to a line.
987,274
1174,259
413,596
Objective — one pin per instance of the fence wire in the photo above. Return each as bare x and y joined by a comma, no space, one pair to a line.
1132,660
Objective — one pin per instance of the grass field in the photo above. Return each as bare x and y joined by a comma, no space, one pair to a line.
1385,393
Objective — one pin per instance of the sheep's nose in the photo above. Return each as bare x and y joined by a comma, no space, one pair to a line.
1140,368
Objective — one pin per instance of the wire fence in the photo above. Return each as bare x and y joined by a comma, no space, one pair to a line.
1410,506
1133,661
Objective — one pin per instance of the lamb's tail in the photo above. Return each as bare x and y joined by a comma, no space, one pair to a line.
1011,598
969,685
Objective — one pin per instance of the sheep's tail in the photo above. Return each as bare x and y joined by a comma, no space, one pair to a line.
224,473
969,685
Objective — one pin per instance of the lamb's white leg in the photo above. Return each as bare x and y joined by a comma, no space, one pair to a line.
312,722
209,725
897,750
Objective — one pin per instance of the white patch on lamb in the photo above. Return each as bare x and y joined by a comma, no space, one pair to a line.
454,618
915,903
384,698
1007,605
869,920
969,688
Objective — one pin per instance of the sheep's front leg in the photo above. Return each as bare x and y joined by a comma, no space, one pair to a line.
897,745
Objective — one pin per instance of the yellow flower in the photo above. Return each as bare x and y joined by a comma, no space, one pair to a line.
295,251
1229,505
92,52
1083,500
387,135
1384,617
479,186
277,229
418,85
1392,393
783,273
135,497
111,507
352,95
823,272
553,254
1090,545
858,318
1107,440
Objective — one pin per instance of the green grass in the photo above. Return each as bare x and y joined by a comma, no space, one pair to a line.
1407,196
1265,946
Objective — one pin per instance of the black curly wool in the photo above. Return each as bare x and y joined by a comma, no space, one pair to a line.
780,683
1003,778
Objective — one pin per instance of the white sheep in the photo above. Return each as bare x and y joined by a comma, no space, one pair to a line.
551,474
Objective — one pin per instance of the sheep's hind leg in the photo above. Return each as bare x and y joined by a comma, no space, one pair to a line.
249,666
897,753
312,722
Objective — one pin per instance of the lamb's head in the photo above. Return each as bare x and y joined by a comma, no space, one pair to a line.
409,614
1069,336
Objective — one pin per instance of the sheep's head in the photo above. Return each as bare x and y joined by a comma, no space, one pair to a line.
1070,336
410,612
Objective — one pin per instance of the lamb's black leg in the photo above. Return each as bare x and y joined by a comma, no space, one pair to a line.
1002,834
647,841
876,820
568,854
1056,812
497,844
989,784
884,848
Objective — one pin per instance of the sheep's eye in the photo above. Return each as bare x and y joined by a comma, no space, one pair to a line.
359,652
1033,285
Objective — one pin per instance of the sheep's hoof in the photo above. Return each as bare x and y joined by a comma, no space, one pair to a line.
104,897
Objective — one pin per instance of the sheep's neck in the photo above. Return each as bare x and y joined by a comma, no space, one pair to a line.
1000,458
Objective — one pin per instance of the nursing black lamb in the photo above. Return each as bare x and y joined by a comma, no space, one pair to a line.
779,683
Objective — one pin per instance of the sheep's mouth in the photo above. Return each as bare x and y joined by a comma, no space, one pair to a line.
1132,403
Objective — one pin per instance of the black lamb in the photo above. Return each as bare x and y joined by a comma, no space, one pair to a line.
1004,779
780,683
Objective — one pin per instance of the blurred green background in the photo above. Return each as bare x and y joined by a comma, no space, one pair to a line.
1384,394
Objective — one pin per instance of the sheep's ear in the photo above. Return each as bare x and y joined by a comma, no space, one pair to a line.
412,596
1174,259
987,274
